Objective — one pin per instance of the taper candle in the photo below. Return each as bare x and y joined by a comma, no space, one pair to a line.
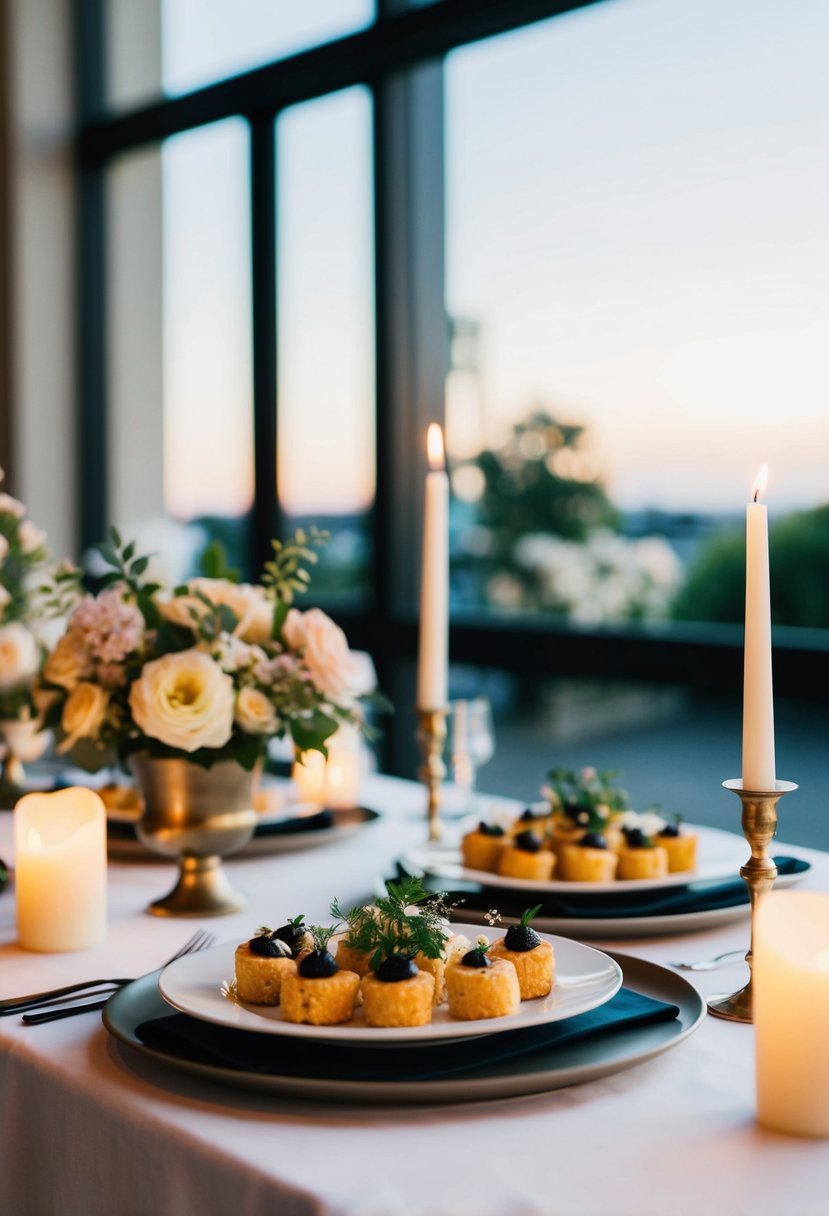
758,702
60,870
791,1012
433,651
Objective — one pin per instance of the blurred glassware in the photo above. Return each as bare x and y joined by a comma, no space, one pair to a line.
471,743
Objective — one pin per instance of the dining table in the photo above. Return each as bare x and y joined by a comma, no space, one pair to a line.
90,1126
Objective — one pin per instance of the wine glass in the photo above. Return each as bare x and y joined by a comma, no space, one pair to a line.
471,740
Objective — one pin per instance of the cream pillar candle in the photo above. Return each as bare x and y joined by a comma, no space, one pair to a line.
335,782
758,702
433,650
60,870
791,1012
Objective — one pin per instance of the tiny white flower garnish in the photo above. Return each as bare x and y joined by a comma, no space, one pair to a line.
583,817
492,917
481,940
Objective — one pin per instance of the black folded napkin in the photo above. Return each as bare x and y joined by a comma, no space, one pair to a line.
249,1051
701,896
123,830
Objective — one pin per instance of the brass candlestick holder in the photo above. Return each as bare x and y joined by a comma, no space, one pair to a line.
759,873
431,736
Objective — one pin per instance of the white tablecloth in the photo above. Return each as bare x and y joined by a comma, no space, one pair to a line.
89,1127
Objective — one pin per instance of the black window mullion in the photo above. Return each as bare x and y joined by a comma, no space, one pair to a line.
263,168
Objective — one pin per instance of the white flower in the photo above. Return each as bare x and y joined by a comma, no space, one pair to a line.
249,604
4,549
83,714
185,700
68,663
25,738
481,941
19,659
254,712
30,537
11,506
325,652
231,653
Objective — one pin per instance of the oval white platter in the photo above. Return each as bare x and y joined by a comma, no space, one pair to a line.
585,979
719,856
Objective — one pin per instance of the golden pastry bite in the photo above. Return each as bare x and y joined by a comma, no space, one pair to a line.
481,849
527,858
350,959
480,987
588,861
436,967
398,993
319,993
531,956
563,833
261,965
640,857
681,847
529,820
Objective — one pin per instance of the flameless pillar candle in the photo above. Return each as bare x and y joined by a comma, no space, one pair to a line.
758,704
335,782
60,870
791,1012
432,676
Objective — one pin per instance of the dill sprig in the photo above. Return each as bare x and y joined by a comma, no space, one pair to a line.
321,935
386,927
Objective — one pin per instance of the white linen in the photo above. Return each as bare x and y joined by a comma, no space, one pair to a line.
88,1127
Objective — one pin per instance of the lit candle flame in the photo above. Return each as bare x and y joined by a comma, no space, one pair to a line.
434,446
760,483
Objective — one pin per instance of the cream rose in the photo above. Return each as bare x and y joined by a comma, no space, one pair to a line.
30,537
184,700
249,604
83,714
68,663
326,653
19,659
254,712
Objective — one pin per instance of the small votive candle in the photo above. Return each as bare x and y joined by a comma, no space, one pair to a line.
335,782
791,1012
60,870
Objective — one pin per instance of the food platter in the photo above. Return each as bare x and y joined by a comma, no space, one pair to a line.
585,979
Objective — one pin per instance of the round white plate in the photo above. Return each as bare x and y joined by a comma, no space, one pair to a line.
585,978
719,855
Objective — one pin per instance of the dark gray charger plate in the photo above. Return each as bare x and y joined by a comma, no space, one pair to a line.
552,1069
286,836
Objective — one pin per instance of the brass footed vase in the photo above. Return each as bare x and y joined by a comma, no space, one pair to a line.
196,815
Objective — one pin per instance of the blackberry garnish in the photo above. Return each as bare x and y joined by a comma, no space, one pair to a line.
592,840
266,945
521,937
528,842
529,816
475,958
635,838
490,829
317,965
395,968
293,934
670,829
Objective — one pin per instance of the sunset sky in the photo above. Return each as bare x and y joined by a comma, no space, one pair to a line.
636,203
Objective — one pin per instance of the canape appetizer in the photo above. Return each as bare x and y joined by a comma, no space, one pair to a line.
261,965
481,987
680,845
526,857
588,860
531,956
481,848
318,992
640,857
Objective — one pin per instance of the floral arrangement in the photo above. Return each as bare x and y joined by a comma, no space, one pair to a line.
588,798
22,556
209,671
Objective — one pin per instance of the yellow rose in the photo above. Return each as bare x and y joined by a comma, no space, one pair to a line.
68,663
255,714
184,700
19,656
83,714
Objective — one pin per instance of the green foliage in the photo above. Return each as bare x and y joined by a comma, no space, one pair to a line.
287,574
799,574
528,915
213,562
583,796
386,927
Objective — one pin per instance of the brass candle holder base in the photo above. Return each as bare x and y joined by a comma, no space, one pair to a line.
759,873
431,736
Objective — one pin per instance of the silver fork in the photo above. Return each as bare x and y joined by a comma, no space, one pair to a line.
200,940
709,964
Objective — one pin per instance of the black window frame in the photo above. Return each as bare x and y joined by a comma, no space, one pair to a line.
406,42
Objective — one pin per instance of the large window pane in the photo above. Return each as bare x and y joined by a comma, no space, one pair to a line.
173,46
326,438
638,278
181,463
